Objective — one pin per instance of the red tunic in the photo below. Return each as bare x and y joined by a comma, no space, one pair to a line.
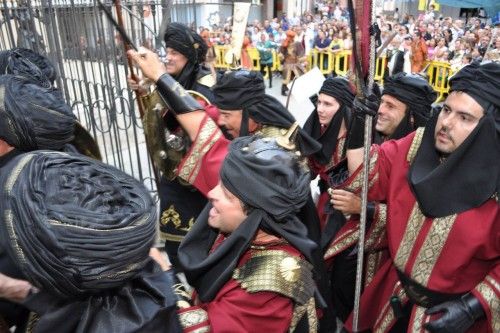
452,254
201,165
234,310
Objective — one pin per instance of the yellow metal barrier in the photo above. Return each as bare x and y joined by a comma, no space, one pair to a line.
438,73
342,60
380,69
220,52
254,55
323,60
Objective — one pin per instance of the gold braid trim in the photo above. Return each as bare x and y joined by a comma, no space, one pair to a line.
308,309
32,321
193,317
419,319
277,271
415,144
386,317
489,290
207,137
378,229
356,183
431,248
351,237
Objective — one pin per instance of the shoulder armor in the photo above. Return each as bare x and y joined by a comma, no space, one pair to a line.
277,271
207,80
415,144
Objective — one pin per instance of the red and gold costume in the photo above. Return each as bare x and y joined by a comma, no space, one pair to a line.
268,291
448,256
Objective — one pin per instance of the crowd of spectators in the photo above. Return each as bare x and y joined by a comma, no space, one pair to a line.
426,36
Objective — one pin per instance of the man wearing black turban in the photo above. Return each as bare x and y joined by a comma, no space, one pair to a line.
180,203
241,89
81,235
248,255
441,186
405,105
246,109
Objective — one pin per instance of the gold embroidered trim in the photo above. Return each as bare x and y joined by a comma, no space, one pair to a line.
493,283
386,317
344,242
298,312
415,223
491,298
32,321
418,320
355,185
271,131
372,265
277,271
378,230
194,317
205,140
171,237
431,248
415,144
337,155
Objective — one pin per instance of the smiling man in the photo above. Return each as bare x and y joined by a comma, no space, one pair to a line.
248,255
441,186
180,203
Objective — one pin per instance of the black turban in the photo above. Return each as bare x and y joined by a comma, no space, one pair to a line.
245,90
470,175
184,40
340,89
279,188
481,82
413,91
33,117
29,64
236,90
80,230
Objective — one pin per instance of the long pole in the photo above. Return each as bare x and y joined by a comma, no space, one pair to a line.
363,8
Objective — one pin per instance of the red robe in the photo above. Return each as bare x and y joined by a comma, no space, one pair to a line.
452,254
201,165
235,310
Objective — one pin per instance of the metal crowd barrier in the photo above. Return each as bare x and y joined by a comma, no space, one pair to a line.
339,63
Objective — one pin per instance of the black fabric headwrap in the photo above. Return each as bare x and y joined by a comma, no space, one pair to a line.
236,90
279,188
32,117
270,111
341,90
417,94
245,90
80,231
28,64
471,174
192,46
